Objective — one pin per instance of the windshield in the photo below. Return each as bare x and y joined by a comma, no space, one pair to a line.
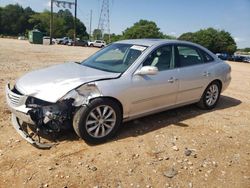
115,58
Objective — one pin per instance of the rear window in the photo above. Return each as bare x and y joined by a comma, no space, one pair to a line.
188,56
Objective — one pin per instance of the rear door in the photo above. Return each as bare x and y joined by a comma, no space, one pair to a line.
193,73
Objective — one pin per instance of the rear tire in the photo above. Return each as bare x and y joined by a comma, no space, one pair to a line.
99,121
210,96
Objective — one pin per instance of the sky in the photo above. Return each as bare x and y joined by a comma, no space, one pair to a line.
173,17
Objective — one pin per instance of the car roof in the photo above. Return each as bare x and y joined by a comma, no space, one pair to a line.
152,42
158,42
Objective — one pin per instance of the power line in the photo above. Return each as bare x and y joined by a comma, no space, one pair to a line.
60,3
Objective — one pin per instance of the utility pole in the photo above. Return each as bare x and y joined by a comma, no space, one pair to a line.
90,24
63,3
75,22
51,21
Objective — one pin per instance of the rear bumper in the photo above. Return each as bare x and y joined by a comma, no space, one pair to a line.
226,82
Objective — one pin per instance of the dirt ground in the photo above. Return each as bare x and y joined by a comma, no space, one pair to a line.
145,153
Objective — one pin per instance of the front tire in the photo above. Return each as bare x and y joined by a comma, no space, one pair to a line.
98,121
210,96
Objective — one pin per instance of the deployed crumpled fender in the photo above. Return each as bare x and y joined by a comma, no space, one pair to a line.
83,94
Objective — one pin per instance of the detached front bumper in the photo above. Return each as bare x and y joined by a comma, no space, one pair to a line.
16,104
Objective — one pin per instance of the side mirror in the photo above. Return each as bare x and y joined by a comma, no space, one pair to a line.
147,70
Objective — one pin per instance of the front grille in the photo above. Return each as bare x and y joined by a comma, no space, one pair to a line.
14,97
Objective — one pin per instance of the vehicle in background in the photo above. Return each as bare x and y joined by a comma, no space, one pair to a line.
97,43
63,40
223,56
246,59
78,43
46,40
238,58
21,38
227,57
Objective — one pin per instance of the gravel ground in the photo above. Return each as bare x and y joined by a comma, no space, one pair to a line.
184,147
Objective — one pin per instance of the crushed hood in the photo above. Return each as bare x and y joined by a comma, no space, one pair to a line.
52,83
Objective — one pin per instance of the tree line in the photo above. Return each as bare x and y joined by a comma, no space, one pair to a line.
218,41
141,29
16,20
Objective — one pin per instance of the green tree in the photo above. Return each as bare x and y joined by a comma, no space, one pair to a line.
246,50
189,36
81,30
41,21
218,41
28,12
1,32
63,24
14,19
68,18
113,37
68,26
143,29
168,37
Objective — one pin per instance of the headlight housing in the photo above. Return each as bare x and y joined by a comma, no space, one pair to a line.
83,94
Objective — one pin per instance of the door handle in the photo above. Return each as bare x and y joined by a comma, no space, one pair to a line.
206,73
172,80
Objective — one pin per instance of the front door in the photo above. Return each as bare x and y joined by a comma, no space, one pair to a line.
152,92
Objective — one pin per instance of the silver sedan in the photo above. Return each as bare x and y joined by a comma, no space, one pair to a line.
126,80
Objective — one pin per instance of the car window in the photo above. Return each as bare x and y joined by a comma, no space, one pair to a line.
115,58
160,58
206,57
187,56
114,54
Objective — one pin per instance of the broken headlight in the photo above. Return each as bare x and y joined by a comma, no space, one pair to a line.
34,102
83,94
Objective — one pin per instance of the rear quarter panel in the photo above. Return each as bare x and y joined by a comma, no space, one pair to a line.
221,71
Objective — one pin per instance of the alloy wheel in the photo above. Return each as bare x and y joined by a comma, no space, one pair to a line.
100,121
212,94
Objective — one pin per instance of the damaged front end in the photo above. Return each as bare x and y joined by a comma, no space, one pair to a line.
47,118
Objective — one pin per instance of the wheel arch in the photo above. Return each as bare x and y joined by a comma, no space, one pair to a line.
215,80
110,98
201,104
218,81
